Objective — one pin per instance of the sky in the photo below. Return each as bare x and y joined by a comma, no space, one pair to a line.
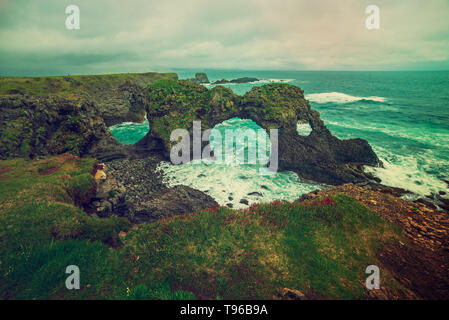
162,35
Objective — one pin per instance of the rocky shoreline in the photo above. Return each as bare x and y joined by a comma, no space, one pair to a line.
135,189
140,194
35,126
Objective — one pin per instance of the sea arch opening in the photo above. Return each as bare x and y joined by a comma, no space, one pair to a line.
240,141
304,128
236,184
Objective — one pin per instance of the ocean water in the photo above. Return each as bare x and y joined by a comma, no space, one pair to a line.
130,132
403,115
229,182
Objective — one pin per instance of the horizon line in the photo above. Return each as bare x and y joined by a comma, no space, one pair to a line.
209,69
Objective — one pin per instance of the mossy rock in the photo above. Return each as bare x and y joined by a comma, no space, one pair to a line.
319,156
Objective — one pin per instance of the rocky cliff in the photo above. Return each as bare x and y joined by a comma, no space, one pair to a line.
53,115
32,126
119,97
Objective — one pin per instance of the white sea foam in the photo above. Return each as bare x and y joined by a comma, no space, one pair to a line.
303,129
407,172
223,182
436,139
128,123
261,81
338,97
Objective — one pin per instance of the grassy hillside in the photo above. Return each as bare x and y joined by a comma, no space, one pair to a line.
320,248
74,86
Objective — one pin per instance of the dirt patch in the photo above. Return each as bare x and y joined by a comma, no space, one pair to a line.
53,165
418,269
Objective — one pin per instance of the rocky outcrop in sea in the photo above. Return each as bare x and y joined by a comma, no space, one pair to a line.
238,80
319,156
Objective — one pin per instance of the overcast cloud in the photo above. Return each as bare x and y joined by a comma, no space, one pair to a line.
131,36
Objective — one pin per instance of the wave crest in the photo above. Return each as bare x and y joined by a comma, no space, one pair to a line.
338,97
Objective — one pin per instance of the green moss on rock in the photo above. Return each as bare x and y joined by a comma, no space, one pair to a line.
319,156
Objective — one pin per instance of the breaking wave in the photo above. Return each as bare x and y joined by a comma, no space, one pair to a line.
338,97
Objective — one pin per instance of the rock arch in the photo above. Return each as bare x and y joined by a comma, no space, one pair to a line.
320,156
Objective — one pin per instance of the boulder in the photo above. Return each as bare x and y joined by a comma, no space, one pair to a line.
109,196
290,294
175,201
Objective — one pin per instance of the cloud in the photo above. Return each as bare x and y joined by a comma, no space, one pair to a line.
255,34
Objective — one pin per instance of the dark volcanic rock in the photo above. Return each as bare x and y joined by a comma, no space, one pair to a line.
110,196
426,202
126,103
244,201
201,77
397,192
319,156
443,200
148,198
222,81
175,201
35,126
238,80
32,126
447,182
123,98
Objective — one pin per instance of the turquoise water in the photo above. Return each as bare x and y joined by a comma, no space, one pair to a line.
130,132
228,183
403,115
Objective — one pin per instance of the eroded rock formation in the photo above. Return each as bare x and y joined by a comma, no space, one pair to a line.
319,156
32,126
53,115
